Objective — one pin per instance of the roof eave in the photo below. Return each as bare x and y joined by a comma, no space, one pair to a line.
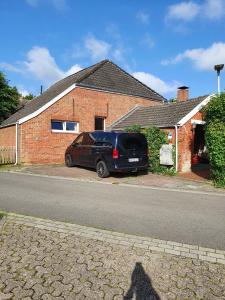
8,125
195,110
47,105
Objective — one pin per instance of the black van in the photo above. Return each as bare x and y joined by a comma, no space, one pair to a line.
109,152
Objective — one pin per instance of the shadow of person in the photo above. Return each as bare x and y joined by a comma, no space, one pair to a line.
141,286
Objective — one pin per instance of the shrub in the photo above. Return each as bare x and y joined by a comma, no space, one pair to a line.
155,138
215,141
214,115
133,128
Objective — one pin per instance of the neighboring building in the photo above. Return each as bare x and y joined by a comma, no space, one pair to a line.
91,99
182,121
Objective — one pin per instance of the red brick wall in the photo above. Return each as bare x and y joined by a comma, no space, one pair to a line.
8,136
185,143
40,145
182,94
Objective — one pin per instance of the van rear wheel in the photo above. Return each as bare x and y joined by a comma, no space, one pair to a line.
102,169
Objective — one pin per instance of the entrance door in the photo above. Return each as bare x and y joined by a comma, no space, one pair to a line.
199,149
199,139
99,123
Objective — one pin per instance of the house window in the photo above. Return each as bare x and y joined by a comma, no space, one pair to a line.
64,126
99,123
57,125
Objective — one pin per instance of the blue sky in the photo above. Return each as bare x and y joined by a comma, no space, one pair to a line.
163,43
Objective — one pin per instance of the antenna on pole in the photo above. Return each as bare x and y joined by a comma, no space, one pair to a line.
41,89
218,68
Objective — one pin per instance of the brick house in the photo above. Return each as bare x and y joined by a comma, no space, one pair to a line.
182,121
91,99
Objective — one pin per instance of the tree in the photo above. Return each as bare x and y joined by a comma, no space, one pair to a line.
9,98
172,100
29,97
214,115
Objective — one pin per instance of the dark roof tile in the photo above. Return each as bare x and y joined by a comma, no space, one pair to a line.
165,115
104,76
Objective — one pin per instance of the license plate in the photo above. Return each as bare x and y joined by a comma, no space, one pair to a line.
133,159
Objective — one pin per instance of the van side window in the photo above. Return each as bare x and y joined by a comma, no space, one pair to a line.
87,140
79,140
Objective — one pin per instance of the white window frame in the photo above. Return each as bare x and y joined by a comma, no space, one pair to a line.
197,122
64,127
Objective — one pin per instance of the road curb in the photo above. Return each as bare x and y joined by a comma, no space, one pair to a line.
149,244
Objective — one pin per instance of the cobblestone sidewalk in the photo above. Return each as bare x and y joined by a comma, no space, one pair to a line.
51,260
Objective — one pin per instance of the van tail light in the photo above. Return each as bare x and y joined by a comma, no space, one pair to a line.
115,153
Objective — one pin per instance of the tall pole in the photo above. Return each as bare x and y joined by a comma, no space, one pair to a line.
218,82
218,68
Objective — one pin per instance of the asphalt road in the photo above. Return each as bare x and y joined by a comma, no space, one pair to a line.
191,218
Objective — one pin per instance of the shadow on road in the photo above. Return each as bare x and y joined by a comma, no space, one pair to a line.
116,174
141,286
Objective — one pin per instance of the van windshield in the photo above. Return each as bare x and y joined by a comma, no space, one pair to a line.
131,141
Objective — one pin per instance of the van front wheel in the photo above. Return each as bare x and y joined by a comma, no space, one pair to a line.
68,161
102,169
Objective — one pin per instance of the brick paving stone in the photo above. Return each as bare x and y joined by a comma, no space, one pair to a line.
41,261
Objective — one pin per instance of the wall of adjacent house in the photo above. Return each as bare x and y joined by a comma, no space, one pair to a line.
8,145
8,136
38,144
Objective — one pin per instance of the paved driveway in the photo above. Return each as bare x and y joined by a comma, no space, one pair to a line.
188,217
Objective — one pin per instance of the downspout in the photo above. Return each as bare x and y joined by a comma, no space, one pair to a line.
16,163
176,141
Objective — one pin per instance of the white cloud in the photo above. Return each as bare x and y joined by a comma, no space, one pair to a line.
73,69
189,10
58,4
143,17
148,41
184,11
202,58
33,3
24,92
156,83
214,9
10,68
41,64
98,49
118,54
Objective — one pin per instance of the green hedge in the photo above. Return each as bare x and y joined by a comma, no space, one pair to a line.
155,138
214,115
